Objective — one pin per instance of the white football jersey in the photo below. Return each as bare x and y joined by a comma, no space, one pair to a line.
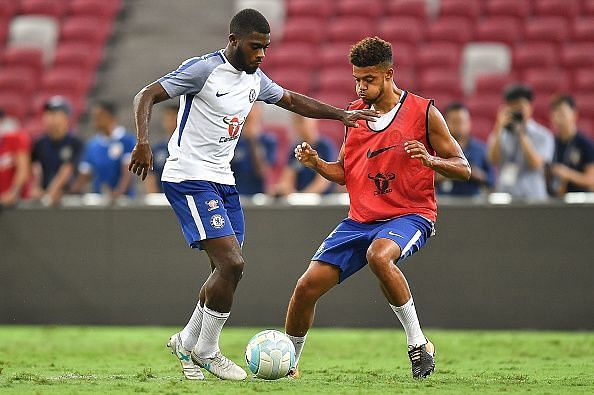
215,100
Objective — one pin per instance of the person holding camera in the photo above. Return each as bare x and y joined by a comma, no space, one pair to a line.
520,147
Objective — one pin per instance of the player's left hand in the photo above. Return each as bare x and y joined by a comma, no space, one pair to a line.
141,160
351,117
417,150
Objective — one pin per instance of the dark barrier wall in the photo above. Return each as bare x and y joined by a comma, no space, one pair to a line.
487,267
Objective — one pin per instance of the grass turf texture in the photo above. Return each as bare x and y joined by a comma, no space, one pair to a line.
58,360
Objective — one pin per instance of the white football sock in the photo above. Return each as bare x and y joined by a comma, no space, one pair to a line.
189,335
208,341
298,342
407,314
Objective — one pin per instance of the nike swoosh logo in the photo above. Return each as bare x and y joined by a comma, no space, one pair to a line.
222,94
371,154
395,234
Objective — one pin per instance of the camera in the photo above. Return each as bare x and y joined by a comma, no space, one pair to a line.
516,118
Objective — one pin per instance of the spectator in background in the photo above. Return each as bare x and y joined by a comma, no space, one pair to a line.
457,117
573,164
15,164
160,151
106,156
298,178
520,147
254,155
57,153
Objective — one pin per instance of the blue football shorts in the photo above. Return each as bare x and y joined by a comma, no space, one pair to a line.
206,210
346,247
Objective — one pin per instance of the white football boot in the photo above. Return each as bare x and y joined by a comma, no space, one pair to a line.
220,366
190,370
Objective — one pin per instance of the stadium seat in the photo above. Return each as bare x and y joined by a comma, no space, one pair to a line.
586,126
411,8
493,84
585,104
454,29
564,8
77,102
321,9
75,79
546,81
583,30
547,29
401,30
95,8
482,127
81,55
508,8
292,55
85,29
404,55
370,8
541,108
55,9
339,80
583,81
577,55
3,31
25,58
35,31
18,80
484,58
334,55
7,9
405,78
470,10
350,29
336,99
588,7
333,131
485,106
444,55
436,80
499,29
283,144
529,55
295,79
441,99
34,126
306,30
14,104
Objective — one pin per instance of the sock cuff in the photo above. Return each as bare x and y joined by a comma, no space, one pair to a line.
215,314
404,306
297,339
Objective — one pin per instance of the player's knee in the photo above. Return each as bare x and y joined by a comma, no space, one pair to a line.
305,289
378,259
233,267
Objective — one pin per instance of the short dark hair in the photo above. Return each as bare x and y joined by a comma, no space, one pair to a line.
558,100
108,106
455,106
248,21
518,91
371,51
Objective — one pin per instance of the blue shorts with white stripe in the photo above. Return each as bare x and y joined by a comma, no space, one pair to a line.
206,210
346,247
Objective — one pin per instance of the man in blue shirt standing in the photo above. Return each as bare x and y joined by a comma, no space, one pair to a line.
107,155
482,174
254,154
160,151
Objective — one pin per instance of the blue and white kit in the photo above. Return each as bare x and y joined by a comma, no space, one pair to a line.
215,101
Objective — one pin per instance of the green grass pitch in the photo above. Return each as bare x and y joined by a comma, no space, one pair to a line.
63,360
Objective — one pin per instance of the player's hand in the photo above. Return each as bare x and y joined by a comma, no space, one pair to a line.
504,118
351,117
417,150
141,160
306,155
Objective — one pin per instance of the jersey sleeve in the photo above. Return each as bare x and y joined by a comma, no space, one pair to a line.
86,163
270,91
191,75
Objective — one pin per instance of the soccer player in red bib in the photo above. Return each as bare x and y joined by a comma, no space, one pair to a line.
387,166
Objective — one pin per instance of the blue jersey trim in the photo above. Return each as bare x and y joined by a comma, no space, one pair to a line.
190,63
182,124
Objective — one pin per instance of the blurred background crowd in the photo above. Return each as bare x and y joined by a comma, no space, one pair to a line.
514,80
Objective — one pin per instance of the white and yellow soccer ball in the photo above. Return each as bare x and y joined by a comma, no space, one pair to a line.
270,354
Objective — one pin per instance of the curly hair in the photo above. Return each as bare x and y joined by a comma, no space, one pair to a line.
371,51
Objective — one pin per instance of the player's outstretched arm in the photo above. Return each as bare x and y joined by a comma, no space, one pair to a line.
311,108
141,160
450,160
332,171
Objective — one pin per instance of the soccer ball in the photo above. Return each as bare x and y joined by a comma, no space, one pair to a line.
270,354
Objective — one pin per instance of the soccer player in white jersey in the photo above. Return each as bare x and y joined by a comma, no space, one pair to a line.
217,92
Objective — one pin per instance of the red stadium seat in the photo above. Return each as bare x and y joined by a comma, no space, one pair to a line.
541,108
30,58
583,30
565,8
585,105
334,55
453,29
577,55
443,55
499,29
292,55
583,81
586,126
339,80
81,55
441,99
75,79
310,8
306,30
51,8
493,84
17,80
470,10
370,8
547,81
350,29
106,9
412,8
508,8
588,7
547,29
404,55
14,105
7,9
336,99
85,29
401,30
294,79
485,106
405,78
436,80
482,127
333,131
534,55
77,102
3,31
34,126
